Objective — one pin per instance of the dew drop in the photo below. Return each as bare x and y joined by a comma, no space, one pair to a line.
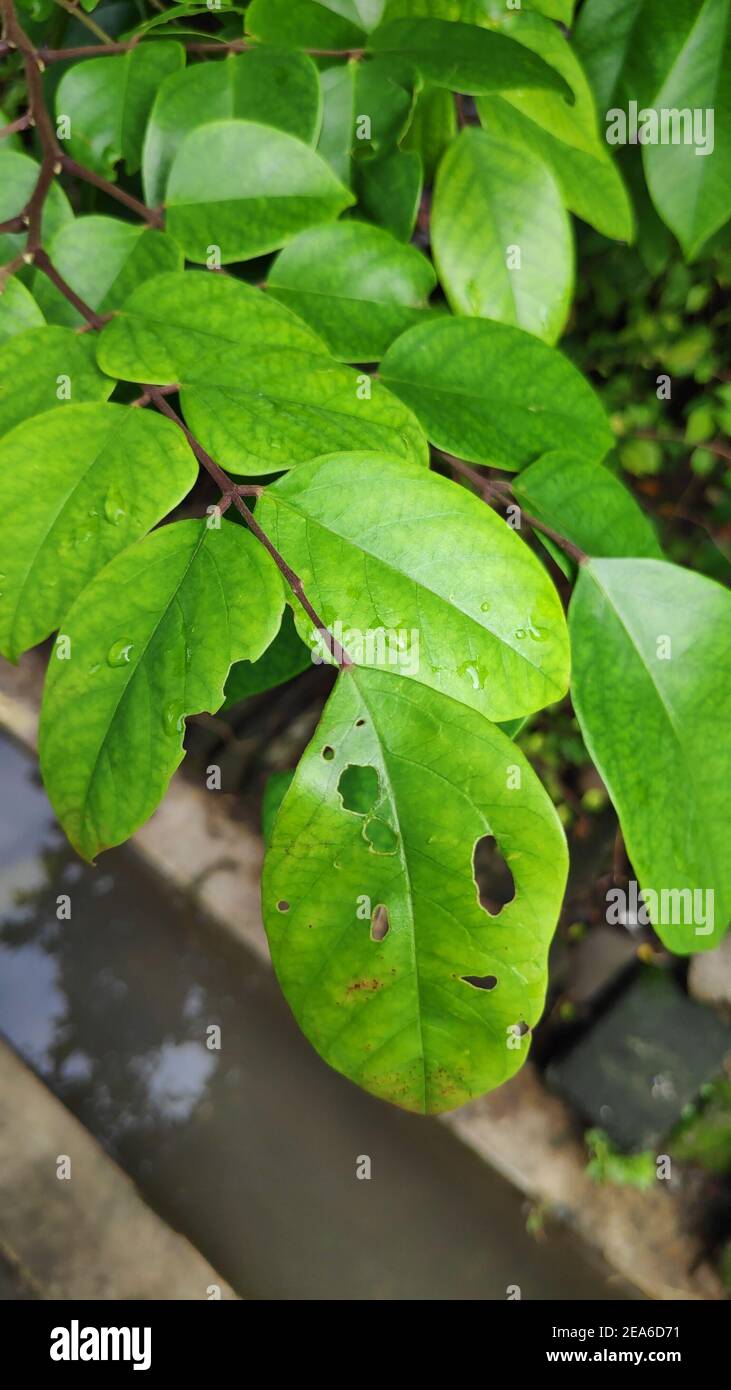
173,719
119,653
520,632
485,607
469,671
114,510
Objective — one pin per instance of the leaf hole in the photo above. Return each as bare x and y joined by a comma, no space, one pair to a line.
328,753
380,925
359,723
283,906
480,981
493,879
358,787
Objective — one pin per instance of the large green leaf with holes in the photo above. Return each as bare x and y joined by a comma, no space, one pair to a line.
465,58
500,235
247,189
103,260
76,486
107,102
398,976
652,691
494,394
267,85
45,368
258,388
567,138
355,284
418,575
150,640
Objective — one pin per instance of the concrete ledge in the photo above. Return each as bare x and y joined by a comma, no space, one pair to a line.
521,1130
90,1236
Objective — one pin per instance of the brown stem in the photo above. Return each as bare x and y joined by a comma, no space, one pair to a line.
20,123
16,37
107,50
499,493
230,493
153,216
43,262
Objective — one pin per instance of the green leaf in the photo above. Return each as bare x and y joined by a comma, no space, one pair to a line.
313,23
385,547
286,657
108,100
12,141
150,640
501,240
46,368
587,504
277,88
257,386
277,785
628,46
247,189
103,260
494,394
389,191
373,915
18,310
355,284
18,178
432,129
566,138
465,58
76,486
652,692
690,184
366,109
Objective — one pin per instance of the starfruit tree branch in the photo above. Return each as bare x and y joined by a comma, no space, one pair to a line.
500,493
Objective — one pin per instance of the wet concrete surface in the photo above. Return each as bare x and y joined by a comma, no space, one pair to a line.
252,1150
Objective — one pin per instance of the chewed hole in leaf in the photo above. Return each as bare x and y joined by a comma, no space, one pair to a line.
495,883
359,723
381,838
328,753
380,925
283,906
358,787
480,981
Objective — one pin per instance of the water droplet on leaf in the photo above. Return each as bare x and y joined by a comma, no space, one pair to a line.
119,653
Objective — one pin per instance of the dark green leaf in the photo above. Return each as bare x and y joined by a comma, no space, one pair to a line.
651,688
76,486
150,640
313,23
103,259
586,503
567,138
267,85
258,388
422,578
494,394
247,189
389,191
356,285
18,310
108,100
286,657
44,368
501,238
465,58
